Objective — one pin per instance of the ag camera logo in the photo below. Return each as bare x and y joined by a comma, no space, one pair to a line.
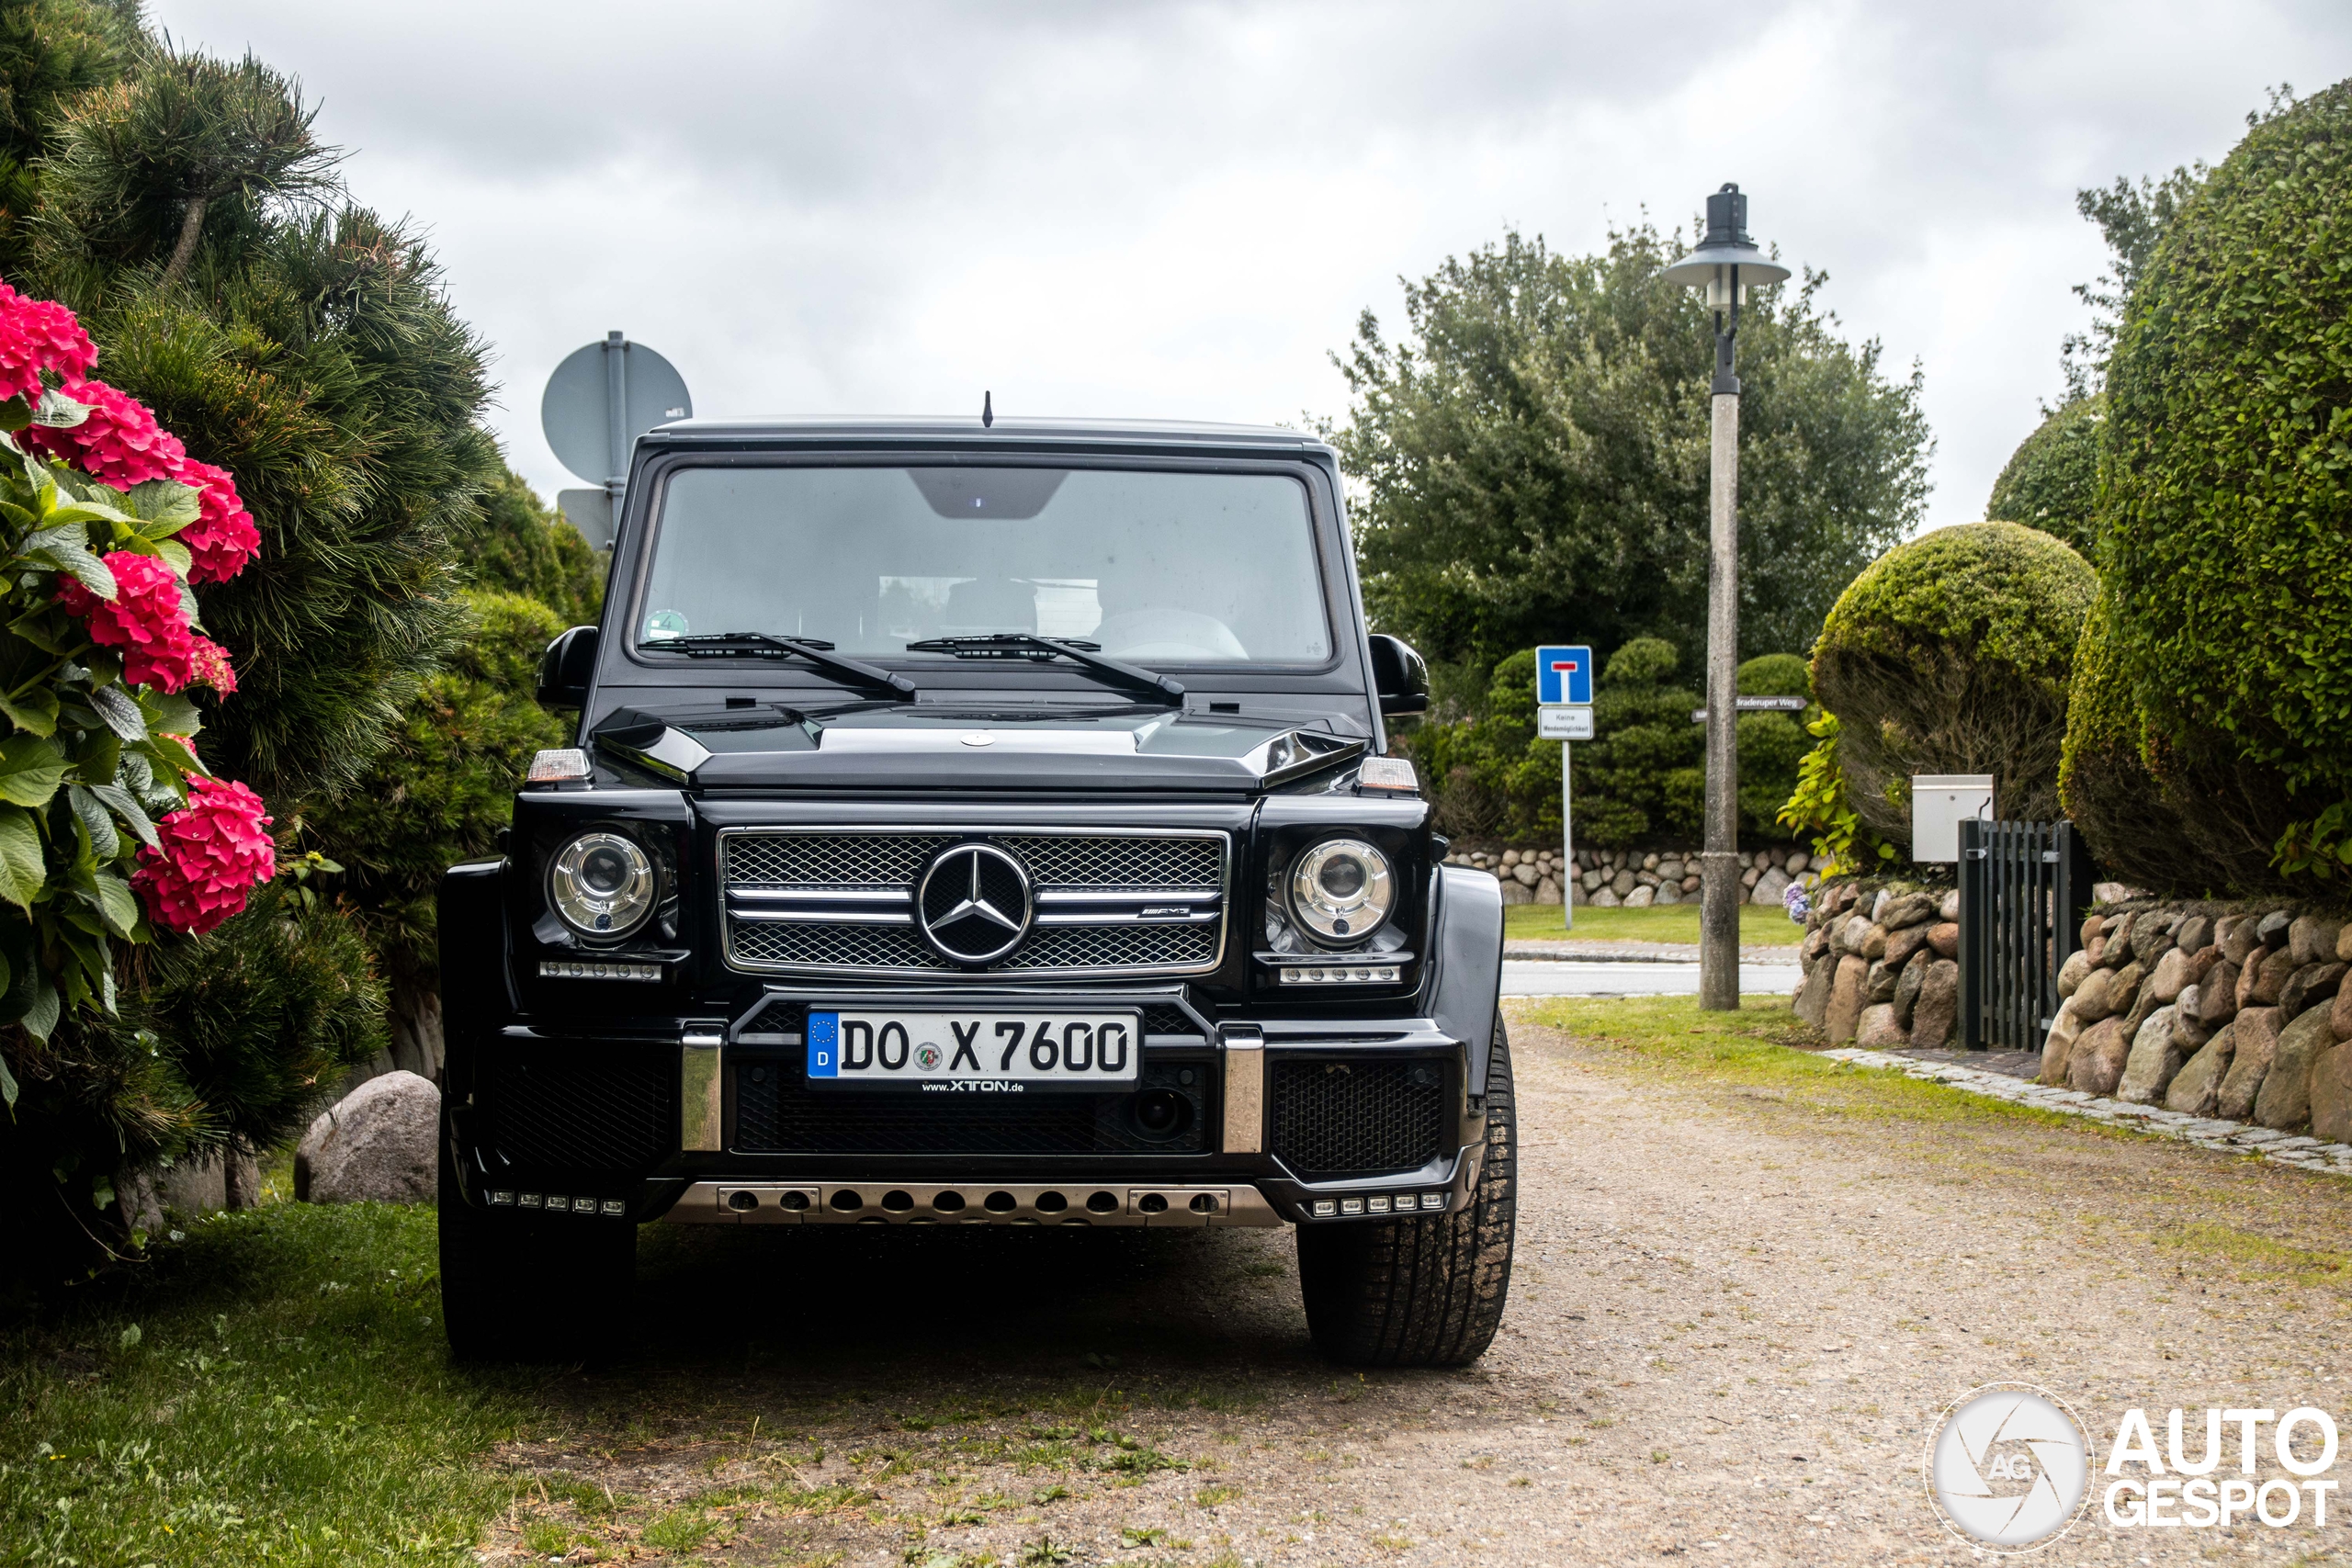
2009,1467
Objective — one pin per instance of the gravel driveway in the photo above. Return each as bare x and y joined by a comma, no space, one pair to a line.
1737,1315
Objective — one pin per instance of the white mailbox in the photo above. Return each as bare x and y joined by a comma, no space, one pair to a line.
1939,804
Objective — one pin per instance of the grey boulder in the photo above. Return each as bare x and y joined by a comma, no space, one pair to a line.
1937,1011
2154,1058
2286,1098
2257,1040
375,1144
2196,1089
2313,940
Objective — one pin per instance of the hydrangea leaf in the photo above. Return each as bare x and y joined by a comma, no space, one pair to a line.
23,870
121,714
171,712
57,411
127,807
96,821
31,768
161,507
35,713
116,903
41,1013
68,550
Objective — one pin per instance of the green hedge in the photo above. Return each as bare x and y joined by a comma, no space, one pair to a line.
445,786
1640,780
2227,519
2133,832
2051,480
1953,654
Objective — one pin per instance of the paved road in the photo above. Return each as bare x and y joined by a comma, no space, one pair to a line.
1739,1310
1543,978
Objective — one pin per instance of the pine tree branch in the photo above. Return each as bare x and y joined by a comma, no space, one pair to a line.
191,229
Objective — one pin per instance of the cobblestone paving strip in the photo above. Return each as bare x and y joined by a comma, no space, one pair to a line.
2205,1132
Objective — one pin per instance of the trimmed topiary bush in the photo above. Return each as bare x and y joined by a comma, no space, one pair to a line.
517,543
1776,675
1640,780
2227,531
2134,833
1772,745
1953,654
2052,480
1642,776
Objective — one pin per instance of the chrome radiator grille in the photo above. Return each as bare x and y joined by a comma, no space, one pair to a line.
844,902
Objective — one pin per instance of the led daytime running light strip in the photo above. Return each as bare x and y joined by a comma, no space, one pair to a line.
554,1203
597,969
1343,975
1379,1204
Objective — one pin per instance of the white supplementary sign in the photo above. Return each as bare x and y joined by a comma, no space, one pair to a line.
1564,723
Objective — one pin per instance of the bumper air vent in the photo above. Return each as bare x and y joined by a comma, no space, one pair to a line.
581,1108
1359,1118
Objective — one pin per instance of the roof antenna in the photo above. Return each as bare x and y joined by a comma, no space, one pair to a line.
988,411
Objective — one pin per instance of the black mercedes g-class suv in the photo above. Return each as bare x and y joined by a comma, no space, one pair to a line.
978,825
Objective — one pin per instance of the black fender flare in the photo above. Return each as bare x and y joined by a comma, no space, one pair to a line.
1466,951
476,991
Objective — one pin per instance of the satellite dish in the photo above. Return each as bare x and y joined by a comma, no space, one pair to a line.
599,399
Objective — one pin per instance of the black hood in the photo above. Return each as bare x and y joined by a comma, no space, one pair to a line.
921,746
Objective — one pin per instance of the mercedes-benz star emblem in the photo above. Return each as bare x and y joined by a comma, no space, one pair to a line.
973,903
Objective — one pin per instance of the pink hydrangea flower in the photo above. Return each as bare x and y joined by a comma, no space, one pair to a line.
120,443
37,335
144,619
223,538
215,851
211,665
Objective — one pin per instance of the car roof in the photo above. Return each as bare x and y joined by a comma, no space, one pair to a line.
1093,433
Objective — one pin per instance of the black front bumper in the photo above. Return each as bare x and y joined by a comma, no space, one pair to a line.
1299,1112
621,1116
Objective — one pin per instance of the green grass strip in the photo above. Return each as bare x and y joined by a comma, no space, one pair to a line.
1756,1047
270,1390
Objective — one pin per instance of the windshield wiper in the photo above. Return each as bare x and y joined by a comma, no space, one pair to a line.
1016,644
768,645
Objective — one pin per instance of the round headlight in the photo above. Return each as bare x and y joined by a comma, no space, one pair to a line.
601,885
1340,889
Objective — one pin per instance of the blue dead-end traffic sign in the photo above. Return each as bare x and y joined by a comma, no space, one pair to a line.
1563,676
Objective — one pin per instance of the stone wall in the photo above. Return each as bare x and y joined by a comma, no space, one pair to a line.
1881,965
1609,879
2236,1014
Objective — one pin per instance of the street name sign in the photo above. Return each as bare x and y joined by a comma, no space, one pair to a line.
1756,705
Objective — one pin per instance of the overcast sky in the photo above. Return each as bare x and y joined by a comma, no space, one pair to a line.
1141,209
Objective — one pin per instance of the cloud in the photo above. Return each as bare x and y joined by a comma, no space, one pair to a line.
1179,209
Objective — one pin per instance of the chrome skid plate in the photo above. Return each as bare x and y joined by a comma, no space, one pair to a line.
969,1203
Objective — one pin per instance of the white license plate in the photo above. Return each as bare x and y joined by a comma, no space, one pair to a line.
975,1053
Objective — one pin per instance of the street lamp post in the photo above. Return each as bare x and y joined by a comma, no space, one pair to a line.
1726,264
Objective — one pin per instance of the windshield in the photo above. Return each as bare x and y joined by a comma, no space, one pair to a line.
1162,567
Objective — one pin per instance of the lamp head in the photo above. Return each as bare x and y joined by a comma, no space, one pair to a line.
1727,246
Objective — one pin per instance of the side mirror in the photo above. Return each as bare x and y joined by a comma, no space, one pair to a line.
567,667
1399,675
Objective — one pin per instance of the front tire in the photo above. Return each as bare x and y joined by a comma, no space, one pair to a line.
1427,1292
528,1287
